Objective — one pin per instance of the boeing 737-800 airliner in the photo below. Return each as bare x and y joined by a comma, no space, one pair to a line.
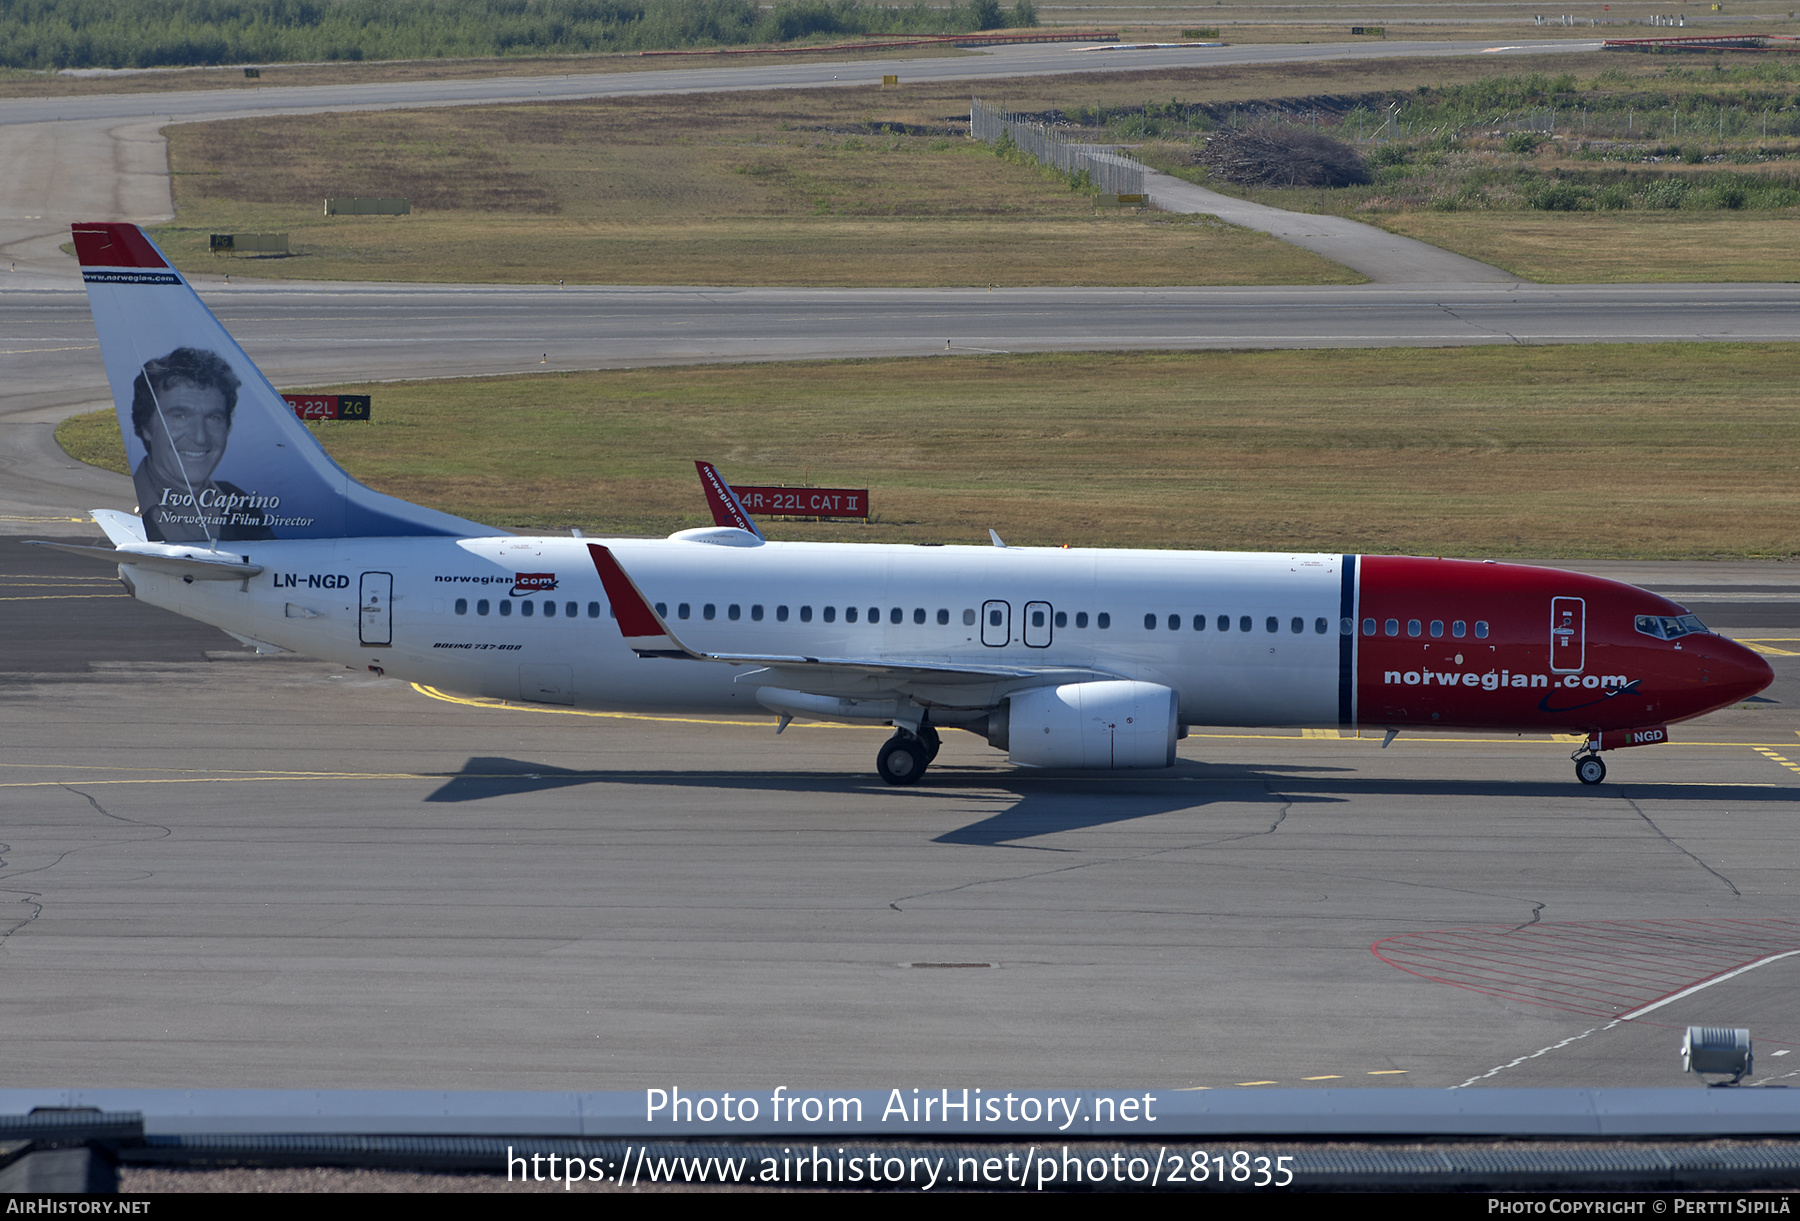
1068,657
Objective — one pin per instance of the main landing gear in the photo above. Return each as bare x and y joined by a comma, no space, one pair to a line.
904,757
1589,767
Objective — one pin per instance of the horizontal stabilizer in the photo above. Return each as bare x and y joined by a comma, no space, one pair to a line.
179,561
122,528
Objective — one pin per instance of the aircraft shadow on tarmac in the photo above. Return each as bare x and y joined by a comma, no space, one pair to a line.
1044,802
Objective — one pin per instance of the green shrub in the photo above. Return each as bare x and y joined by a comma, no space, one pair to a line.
1523,142
1664,193
1614,198
1558,196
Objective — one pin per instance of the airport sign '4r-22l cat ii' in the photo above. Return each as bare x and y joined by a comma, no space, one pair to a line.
1066,657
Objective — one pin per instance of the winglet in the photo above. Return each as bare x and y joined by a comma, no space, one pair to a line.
644,630
727,509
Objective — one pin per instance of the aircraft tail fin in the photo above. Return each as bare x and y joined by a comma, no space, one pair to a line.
727,509
216,453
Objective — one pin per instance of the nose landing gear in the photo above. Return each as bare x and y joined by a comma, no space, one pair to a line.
1589,767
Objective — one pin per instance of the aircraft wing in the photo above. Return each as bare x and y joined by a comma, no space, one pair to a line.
965,684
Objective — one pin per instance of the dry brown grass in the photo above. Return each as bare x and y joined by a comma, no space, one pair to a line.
775,187
1616,247
1672,451
825,187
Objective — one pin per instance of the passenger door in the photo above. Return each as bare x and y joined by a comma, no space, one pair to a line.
996,624
1568,635
377,618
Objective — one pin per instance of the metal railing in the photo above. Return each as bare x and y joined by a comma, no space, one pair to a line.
1109,170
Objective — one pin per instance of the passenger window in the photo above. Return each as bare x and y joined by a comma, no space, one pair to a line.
1296,625
734,612
525,608
994,618
756,612
1272,624
829,614
1174,623
662,608
781,614
462,606
571,609
849,615
681,611
1224,623
505,609
1080,618
1459,629
1150,623
943,616
1368,627
1413,627
896,615
709,611
806,614
1319,626
1243,623
1103,621
1481,629
874,614
481,607
593,610
1437,628
1199,623
968,618
549,610
918,614
1062,618
1392,627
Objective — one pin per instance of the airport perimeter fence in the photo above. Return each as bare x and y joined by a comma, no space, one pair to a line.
1109,170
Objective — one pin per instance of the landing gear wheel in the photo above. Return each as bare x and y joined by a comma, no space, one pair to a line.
902,760
1590,770
932,742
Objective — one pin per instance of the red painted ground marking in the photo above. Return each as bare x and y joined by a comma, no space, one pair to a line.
1600,969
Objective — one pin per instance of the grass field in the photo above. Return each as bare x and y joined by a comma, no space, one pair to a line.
1617,247
825,187
1672,451
866,186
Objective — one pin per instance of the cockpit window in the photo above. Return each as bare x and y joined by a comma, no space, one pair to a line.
1669,627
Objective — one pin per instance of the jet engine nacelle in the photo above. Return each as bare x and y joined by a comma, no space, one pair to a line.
1108,725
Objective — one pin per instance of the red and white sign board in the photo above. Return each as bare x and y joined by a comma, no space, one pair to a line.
805,502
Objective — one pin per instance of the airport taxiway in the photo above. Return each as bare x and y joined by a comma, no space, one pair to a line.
228,870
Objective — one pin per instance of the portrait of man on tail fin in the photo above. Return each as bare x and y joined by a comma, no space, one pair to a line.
181,409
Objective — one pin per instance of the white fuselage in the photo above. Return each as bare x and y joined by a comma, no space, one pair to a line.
441,620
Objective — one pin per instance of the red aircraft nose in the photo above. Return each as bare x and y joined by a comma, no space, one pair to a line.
1734,672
